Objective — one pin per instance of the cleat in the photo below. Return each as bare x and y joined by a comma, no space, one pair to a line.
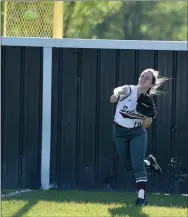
154,165
141,202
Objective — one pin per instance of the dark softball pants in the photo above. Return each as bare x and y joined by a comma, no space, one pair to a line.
137,139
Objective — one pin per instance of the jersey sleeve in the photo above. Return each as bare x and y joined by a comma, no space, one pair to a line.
122,90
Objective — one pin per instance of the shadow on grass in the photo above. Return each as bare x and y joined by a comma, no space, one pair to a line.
125,200
128,210
25,208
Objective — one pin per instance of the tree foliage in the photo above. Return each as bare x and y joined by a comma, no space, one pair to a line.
126,20
141,20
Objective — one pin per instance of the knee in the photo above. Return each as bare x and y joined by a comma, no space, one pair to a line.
138,167
117,148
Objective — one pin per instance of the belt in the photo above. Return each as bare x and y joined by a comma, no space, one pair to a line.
126,127
119,125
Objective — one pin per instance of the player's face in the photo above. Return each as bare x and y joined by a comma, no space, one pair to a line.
146,80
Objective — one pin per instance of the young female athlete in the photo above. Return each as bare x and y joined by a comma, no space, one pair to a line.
134,113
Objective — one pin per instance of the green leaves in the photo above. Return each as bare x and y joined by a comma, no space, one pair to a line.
141,20
126,20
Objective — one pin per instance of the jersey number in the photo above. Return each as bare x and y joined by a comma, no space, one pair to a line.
137,124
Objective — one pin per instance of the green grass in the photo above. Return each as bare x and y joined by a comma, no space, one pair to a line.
87,204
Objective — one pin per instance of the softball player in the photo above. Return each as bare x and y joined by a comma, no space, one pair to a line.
134,113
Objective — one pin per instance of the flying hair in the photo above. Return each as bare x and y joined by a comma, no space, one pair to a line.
157,81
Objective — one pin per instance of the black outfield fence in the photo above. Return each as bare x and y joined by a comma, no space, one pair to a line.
80,152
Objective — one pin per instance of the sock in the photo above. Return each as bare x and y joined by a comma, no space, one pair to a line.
141,186
147,163
141,194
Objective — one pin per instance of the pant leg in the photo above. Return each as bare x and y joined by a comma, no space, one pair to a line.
138,147
121,142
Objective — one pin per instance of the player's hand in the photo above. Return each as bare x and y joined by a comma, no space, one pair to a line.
113,99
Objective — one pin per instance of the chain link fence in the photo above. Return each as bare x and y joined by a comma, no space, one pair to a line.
32,18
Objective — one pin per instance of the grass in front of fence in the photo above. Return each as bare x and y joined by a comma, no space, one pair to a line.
78,203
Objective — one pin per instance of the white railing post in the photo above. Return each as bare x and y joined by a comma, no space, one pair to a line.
46,118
